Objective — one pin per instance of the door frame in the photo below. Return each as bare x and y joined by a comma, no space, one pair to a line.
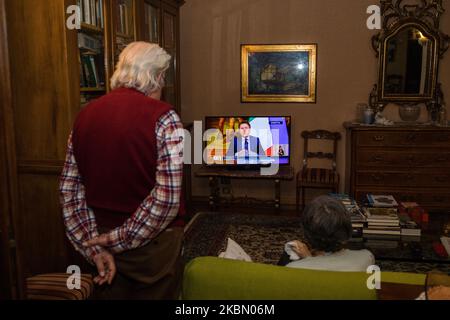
11,284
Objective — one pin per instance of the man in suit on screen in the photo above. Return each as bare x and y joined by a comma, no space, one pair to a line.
245,146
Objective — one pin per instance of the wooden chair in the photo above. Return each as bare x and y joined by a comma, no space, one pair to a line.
317,178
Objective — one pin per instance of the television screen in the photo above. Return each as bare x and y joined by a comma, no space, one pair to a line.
247,140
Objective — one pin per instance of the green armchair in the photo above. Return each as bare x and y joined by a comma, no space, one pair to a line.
210,278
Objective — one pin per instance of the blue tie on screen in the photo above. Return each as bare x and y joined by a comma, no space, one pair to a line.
247,157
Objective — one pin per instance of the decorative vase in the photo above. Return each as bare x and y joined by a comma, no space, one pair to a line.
409,113
369,116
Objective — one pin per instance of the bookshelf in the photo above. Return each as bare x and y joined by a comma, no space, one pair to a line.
108,26
92,45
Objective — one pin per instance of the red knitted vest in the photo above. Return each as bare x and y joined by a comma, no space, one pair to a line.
114,144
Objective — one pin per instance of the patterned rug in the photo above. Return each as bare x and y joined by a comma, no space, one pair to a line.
263,238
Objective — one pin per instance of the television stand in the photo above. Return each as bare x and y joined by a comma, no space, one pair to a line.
214,174
248,167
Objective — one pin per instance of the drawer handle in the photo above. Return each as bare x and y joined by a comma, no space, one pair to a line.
443,138
405,198
378,138
377,177
411,137
377,159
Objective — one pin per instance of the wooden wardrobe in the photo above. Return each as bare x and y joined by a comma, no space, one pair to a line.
40,97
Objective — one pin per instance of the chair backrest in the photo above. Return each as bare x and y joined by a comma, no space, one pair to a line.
320,135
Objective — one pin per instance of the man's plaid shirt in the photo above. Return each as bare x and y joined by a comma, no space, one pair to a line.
154,214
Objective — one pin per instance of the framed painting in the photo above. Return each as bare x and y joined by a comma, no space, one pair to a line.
279,73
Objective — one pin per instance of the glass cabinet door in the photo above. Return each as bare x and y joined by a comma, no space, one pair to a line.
169,43
124,30
151,21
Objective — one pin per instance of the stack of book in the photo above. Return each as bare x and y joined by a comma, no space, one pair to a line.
356,214
92,12
382,217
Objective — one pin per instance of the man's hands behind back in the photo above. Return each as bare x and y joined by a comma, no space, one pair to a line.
106,267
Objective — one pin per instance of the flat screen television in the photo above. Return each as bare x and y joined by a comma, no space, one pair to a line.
243,141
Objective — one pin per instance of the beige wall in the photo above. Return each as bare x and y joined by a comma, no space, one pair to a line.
213,30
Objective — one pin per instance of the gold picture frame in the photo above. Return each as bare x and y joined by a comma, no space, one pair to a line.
279,73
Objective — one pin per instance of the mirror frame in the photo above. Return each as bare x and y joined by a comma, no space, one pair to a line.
431,76
397,15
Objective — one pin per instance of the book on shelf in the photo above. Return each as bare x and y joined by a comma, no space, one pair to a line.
89,43
381,201
89,71
407,238
446,243
357,217
387,237
408,226
383,220
382,243
381,215
393,223
393,228
92,72
393,232
123,19
92,12
409,205
373,211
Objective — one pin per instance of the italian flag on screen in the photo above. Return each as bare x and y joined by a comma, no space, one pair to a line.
261,129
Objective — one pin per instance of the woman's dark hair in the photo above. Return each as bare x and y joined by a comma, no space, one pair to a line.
245,122
326,224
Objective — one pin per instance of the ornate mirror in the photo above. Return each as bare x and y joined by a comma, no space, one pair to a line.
409,48
409,64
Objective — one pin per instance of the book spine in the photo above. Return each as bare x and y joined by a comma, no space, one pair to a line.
122,23
94,12
127,21
102,24
98,9
90,77
87,12
100,69
94,69
82,74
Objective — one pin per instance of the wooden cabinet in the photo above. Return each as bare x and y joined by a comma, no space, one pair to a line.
42,89
410,162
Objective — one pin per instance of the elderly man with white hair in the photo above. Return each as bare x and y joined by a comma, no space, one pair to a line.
121,184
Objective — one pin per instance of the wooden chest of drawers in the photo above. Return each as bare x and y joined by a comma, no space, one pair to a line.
410,162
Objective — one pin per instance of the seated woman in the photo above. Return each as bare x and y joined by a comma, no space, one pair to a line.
327,227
